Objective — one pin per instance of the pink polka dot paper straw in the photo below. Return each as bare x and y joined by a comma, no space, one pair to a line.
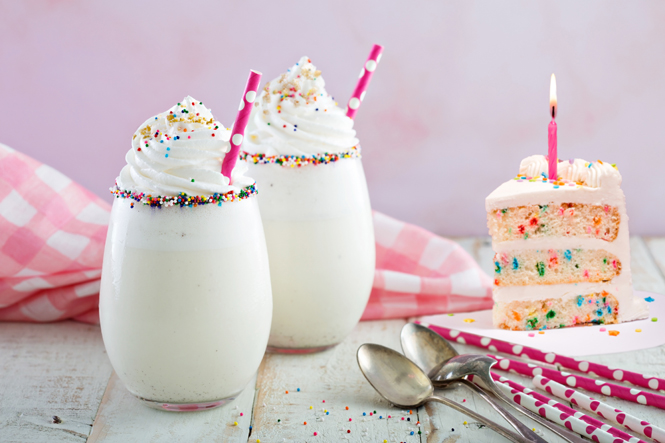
591,421
238,130
587,367
365,76
554,415
604,410
589,384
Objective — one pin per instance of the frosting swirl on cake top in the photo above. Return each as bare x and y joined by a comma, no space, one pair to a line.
592,174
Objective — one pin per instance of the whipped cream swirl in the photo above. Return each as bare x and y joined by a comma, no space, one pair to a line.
594,175
181,150
296,116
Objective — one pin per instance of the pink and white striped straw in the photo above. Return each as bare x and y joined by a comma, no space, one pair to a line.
604,410
365,76
589,384
545,408
586,367
238,131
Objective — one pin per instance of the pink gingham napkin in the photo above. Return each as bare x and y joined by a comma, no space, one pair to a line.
419,273
52,234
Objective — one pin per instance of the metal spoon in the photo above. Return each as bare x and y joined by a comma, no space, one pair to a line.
433,353
405,385
425,348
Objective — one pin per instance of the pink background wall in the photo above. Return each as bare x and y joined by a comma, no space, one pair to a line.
459,98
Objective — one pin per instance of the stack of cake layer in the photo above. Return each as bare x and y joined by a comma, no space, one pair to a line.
562,252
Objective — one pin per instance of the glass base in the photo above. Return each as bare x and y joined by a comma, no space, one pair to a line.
186,407
278,350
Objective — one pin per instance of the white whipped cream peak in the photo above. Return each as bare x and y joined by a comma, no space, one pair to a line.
593,174
295,115
180,150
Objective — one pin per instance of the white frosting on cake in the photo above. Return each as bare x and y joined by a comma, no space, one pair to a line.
596,183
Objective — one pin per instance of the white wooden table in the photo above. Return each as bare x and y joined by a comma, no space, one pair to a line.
62,370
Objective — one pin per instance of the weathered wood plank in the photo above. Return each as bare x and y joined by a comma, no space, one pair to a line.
122,418
57,369
646,275
656,246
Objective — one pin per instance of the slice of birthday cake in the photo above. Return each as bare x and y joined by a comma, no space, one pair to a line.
562,252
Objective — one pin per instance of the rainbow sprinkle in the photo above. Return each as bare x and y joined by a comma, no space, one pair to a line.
183,199
295,161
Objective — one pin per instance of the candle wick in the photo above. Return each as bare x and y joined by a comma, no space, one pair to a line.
553,112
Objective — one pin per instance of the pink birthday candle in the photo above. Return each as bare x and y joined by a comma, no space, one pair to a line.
551,133
365,76
238,131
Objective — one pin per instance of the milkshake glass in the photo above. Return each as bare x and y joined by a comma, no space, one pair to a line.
185,301
302,150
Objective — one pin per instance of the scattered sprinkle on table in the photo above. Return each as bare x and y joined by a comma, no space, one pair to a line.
638,330
649,299
235,423
315,434
465,423
451,315
654,319
298,389
531,334
468,320
613,333
541,332
287,392
603,329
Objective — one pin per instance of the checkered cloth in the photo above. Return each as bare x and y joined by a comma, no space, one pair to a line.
419,273
52,234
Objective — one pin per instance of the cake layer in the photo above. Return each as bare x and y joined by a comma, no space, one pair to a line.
554,220
594,308
554,266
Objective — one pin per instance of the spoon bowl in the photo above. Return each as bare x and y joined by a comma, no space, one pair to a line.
461,366
395,377
425,347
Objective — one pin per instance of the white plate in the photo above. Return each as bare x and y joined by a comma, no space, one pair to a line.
572,342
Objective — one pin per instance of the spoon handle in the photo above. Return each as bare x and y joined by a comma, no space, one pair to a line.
558,430
510,418
489,423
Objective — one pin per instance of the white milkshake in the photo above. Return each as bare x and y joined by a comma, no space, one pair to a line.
302,150
185,303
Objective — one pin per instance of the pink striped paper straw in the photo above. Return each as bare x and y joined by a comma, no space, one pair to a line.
518,394
598,386
365,76
604,410
238,131
587,367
